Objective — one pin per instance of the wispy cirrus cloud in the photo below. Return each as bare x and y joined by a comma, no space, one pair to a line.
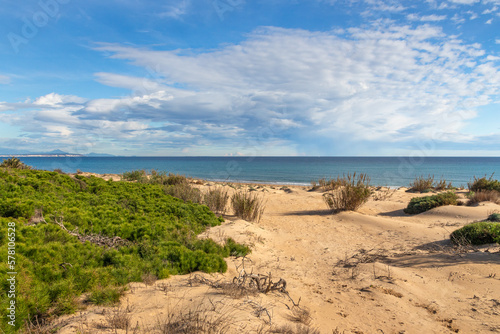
4,80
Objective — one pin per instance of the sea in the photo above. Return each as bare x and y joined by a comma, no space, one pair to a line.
383,171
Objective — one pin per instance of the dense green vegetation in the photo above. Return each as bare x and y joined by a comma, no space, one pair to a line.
422,204
484,184
55,267
477,233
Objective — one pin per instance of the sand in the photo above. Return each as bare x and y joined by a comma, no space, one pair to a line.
376,270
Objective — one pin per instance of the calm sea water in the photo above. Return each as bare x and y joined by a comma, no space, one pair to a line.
383,171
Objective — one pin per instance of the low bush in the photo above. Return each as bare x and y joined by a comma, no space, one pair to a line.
14,163
135,175
484,184
349,193
247,205
483,196
494,217
422,184
216,199
422,204
477,234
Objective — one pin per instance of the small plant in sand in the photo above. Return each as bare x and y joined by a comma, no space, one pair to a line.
422,204
247,205
216,199
422,184
349,193
494,217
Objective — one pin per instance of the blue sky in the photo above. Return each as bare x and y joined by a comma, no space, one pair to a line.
235,77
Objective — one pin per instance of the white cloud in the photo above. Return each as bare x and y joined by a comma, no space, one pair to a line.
176,10
4,80
426,18
281,88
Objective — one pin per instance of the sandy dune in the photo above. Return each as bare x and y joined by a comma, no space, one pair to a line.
377,270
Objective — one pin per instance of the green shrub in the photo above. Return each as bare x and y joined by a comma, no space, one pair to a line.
135,175
55,267
14,163
422,204
477,234
349,193
483,184
494,217
247,205
216,199
108,295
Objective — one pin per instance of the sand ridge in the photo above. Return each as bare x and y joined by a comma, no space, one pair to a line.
376,270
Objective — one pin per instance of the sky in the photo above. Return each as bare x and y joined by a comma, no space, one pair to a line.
257,78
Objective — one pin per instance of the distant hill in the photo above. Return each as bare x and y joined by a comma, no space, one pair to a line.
15,152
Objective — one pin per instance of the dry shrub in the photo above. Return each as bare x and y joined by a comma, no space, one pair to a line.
118,319
301,315
247,205
184,191
353,192
484,196
422,183
149,279
201,319
382,194
298,329
216,199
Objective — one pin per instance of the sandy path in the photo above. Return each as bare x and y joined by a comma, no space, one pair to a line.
372,271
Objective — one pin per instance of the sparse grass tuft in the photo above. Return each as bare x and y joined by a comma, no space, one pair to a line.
483,196
247,205
184,191
348,193
298,329
216,199
201,319
477,233
422,204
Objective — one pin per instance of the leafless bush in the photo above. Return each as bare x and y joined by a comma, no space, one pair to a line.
383,194
118,319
